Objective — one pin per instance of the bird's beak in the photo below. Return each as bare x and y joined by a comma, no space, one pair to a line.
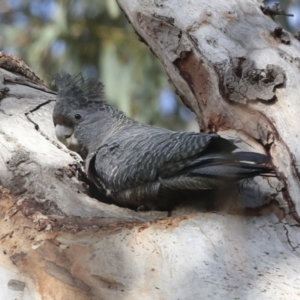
65,134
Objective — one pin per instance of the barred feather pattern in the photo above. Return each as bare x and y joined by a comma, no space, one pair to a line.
144,159
134,163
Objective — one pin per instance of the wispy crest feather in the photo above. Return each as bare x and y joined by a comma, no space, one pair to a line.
78,88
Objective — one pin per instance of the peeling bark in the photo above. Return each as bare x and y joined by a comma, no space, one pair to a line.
217,54
237,69
233,68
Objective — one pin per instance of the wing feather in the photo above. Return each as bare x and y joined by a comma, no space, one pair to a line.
142,157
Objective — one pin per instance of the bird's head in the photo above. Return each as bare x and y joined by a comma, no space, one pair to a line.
77,102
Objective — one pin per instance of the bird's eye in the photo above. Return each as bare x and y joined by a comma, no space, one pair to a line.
77,116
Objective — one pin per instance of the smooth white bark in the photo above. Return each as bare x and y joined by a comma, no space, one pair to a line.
58,243
212,51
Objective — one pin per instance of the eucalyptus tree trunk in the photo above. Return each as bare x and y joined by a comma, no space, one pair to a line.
238,73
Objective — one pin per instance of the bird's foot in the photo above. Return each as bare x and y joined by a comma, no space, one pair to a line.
148,207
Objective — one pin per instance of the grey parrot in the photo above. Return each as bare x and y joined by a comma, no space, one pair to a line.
138,165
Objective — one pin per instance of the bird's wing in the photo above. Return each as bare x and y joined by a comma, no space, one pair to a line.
132,158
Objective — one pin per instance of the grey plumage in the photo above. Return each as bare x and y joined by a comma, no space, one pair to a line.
137,164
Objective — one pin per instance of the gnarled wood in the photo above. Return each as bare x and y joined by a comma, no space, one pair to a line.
230,67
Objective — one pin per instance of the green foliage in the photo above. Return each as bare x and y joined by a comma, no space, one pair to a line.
92,37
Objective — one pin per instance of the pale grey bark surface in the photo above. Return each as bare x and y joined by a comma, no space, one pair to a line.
230,65
58,243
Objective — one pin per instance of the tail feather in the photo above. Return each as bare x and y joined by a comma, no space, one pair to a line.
251,157
232,166
236,171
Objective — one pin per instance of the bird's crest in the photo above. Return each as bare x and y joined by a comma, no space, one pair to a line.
77,89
